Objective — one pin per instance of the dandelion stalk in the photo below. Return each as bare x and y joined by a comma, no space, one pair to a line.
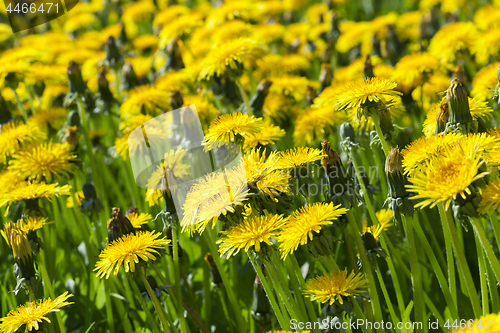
298,273
449,230
31,294
180,310
376,120
478,230
388,301
145,307
156,303
48,286
244,96
482,278
20,105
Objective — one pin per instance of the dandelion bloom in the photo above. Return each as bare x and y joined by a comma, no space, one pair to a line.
144,99
33,190
32,313
29,223
410,71
487,45
362,93
485,78
315,123
451,39
128,250
266,173
230,127
446,175
250,232
15,134
485,324
269,135
332,287
384,217
297,157
490,196
304,221
137,220
43,161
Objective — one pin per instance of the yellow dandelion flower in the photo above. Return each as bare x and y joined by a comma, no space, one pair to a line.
352,34
333,287
128,124
269,8
231,30
292,85
452,39
144,42
297,157
80,21
31,314
145,98
280,64
53,117
141,65
174,81
487,17
51,93
14,135
278,107
47,73
412,69
485,78
316,123
33,223
168,14
268,135
407,25
173,167
232,127
361,93
487,45
214,195
490,196
268,33
43,161
446,175
128,250
206,110
137,220
265,173
304,221
33,190
250,232
420,150
70,202
138,11
435,84
232,54
180,26
230,11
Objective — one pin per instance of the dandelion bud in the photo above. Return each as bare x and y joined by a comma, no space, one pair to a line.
131,210
460,118
21,249
71,137
333,33
348,137
399,198
130,79
257,101
175,100
75,79
376,46
372,246
340,183
368,68
214,271
310,95
122,37
91,204
73,118
118,225
174,57
103,86
325,76
113,57
261,308
442,117
325,55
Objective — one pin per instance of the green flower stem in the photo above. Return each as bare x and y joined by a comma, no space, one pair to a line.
297,292
437,270
180,309
494,264
116,73
298,273
388,301
156,303
452,281
285,297
207,292
284,323
145,307
360,315
223,302
20,105
482,278
232,298
381,173
110,285
172,294
376,120
244,96
418,298
461,260
48,286
377,310
30,293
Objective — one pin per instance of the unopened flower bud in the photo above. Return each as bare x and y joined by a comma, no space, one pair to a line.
257,101
214,271
325,55
175,100
442,117
399,198
75,79
118,225
310,95
376,46
460,118
122,37
322,244
130,79
174,58
113,57
368,68
18,241
103,86
325,77
71,137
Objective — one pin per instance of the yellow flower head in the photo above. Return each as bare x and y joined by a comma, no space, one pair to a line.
490,196
385,217
487,45
292,85
43,161
250,232
265,172
30,224
17,240
315,123
33,190
297,157
14,135
485,324
145,99
485,78
232,128
231,54
269,135
31,314
137,220
411,69
446,175
361,93
332,287
128,250
304,221
53,117
451,39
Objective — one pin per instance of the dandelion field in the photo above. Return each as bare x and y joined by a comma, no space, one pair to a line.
312,164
